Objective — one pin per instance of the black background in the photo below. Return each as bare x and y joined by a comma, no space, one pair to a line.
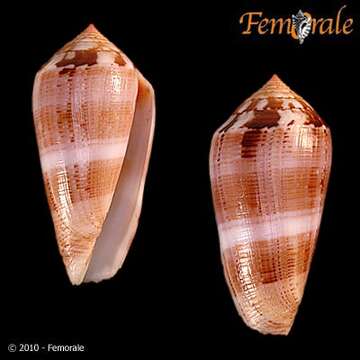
170,297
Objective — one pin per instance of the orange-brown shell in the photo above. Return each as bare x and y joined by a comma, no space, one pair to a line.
269,166
84,103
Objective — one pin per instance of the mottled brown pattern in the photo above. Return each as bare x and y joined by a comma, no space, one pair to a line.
274,103
294,181
102,116
249,143
268,278
265,118
263,169
94,117
81,182
268,301
79,102
299,184
271,261
81,57
78,198
95,43
68,71
268,117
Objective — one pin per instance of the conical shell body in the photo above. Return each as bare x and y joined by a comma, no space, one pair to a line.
269,167
87,101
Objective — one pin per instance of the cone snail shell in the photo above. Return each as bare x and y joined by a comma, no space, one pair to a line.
94,116
269,168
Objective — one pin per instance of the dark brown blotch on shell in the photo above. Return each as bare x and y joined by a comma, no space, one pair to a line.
87,57
69,71
82,57
249,143
269,117
263,118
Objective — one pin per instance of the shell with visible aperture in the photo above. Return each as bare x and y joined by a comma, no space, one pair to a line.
269,168
94,116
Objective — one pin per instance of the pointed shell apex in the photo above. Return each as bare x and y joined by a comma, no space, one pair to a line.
269,169
93,113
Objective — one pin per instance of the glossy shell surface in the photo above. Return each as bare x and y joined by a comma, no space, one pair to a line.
94,120
269,166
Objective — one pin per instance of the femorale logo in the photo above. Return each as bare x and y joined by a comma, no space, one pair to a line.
298,26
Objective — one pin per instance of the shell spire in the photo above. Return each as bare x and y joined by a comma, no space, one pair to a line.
274,87
88,102
91,29
275,84
269,168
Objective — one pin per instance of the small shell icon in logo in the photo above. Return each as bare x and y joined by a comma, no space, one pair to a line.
302,24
